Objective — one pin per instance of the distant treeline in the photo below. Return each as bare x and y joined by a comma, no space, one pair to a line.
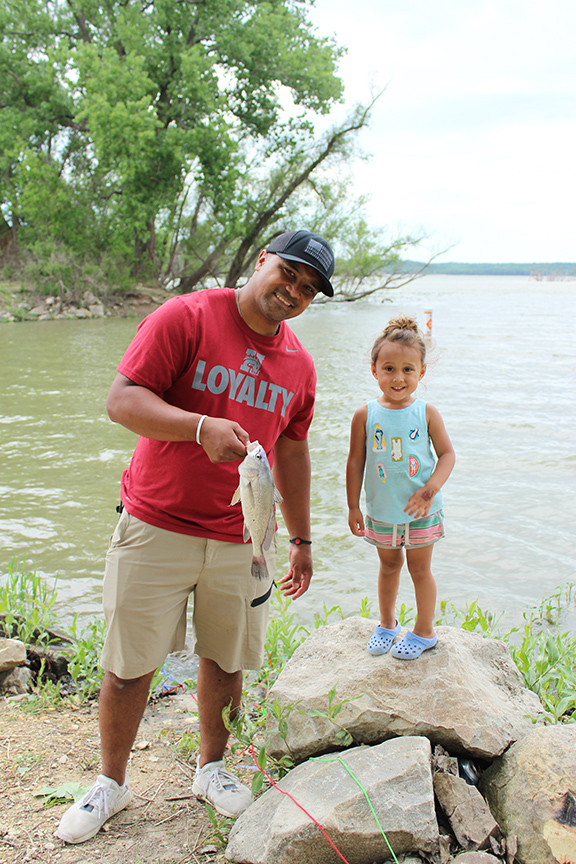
459,269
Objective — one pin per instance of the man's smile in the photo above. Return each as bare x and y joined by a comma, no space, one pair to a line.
283,300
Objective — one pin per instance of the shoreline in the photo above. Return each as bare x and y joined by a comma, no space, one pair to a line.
18,305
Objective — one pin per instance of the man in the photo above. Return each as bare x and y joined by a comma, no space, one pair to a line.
205,374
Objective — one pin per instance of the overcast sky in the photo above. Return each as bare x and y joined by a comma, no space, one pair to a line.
474,140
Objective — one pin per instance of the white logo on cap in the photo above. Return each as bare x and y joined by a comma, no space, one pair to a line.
317,250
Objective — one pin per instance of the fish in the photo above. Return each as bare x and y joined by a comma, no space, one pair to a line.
258,497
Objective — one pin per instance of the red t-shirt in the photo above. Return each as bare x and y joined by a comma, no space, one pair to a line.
196,352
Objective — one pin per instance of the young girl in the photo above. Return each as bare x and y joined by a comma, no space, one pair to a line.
391,443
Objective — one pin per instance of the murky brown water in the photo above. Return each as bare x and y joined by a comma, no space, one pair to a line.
502,375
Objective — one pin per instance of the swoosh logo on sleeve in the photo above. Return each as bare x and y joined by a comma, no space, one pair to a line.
292,350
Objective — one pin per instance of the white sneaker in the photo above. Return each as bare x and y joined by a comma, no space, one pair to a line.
85,818
223,790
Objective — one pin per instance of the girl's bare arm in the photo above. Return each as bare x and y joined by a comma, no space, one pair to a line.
355,470
421,501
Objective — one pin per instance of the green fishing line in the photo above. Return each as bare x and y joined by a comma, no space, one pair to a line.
358,783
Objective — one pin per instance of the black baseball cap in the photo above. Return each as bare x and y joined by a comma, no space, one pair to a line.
309,249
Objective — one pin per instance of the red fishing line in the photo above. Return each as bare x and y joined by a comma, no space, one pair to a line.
309,815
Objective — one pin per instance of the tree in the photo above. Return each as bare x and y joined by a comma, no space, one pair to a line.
172,139
109,110
371,262
289,184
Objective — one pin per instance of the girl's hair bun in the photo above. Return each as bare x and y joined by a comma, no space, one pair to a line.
402,322
403,329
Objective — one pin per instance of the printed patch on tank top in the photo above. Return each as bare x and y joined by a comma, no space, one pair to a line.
413,465
396,444
414,433
381,472
378,440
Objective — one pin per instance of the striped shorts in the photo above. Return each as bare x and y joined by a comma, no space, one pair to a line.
409,535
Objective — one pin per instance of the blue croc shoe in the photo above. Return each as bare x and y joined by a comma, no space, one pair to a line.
382,639
412,646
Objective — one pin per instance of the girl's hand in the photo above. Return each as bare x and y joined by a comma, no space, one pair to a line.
356,521
420,502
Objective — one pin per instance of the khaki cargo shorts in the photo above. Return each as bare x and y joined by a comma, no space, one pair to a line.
150,574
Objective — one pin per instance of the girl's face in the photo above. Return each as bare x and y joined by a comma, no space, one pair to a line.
398,369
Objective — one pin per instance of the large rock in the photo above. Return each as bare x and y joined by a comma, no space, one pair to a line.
12,654
531,790
398,782
465,694
475,858
16,681
466,811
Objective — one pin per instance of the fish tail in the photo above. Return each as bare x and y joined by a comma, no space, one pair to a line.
259,568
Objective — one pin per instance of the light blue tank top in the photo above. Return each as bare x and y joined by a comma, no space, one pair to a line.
399,460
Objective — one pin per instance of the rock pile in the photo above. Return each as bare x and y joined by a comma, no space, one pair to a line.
422,734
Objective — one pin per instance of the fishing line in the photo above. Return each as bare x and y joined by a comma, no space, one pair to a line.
174,681
358,783
288,795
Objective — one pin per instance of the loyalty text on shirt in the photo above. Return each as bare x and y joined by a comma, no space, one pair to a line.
241,387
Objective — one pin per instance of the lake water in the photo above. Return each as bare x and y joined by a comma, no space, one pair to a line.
501,372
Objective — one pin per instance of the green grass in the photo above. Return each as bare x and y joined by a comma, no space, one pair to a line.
542,648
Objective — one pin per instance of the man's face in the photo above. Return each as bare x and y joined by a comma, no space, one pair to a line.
284,288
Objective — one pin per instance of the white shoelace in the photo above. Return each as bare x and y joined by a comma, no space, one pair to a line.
217,776
97,799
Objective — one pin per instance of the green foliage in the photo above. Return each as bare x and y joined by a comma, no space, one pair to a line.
472,618
124,124
28,612
370,261
63,794
543,652
545,656
46,696
221,825
26,605
283,636
188,745
321,618
83,660
405,615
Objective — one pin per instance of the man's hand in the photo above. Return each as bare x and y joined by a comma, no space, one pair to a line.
223,440
297,580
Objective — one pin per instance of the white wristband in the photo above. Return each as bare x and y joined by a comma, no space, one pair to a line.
199,427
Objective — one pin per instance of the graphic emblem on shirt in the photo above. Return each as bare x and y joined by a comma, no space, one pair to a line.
413,465
396,444
252,362
378,441
381,472
414,433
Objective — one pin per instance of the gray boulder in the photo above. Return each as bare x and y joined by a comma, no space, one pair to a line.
466,810
16,681
465,694
12,654
398,782
531,790
476,858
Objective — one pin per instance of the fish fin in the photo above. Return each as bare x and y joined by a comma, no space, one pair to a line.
235,497
277,496
259,568
246,534
270,531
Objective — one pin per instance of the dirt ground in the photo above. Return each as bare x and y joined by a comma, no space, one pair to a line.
164,824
